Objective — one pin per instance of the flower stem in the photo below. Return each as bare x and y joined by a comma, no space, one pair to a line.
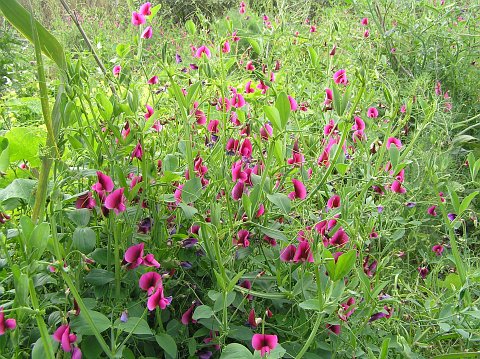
311,337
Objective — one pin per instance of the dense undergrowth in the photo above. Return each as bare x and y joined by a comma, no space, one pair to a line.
296,183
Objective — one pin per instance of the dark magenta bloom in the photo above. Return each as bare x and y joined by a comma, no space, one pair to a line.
6,323
303,253
288,253
438,249
134,256
63,336
423,272
158,299
340,77
187,317
116,201
149,282
85,201
242,238
264,342
104,184
334,328
299,191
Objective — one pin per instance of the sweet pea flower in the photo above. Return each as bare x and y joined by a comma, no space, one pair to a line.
62,335
150,261
423,272
364,21
187,317
333,202
104,184
226,47
249,88
266,131
293,103
116,201
116,70
134,256
238,101
394,141
262,87
249,66
264,342
147,33
334,328
366,33
203,50
5,324
359,124
299,191
438,249
397,187
85,201
288,253
372,112
242,238
339,238
138,19
340,77
431,211
328,97
237,190
137,151
158,299
376,316
246,148
149,281
149,112
146,9
303,253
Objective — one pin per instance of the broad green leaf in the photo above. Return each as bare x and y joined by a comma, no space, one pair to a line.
104,105
255,45
274,116
39,239
167,343
99,277
281,201
466,202
21,188
134,325
311,304
20,18
189,211
220,300
202,311
90,347
24,144
283,106
455,200
394,155
84,239
344,264
236,351
272,232
80,325
4,154
39,351
329,263
313,56
122,49
170,163
80,217
192,190
190,26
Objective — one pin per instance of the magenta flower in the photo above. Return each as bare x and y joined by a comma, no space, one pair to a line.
293,103
328,97
242,238
423,272
249,88
394,141
340,77
366,33
333,202
262,87
266,131
431,211
246,148
203,50
334,328
153,80
238,101
379,315
116,201
62,335
397,187
438,249
364,21
372,112
226,47
237,190
104,184
137,19
147,33
187,317
303,253
288,253
158,299
249,66
247,285
252,322
134,256
85,201
339,238
146,9
137,151
150,261
116,70
149,281
149,112
299,191
6,323
264,342
359,124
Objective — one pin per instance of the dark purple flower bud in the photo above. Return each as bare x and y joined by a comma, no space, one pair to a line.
178,58
124,317
380,209
186,265
451,216
189,242
411,204
193,67
145,226
205,354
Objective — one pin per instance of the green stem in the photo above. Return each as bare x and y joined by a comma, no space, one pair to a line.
116,249
311,337
42,327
